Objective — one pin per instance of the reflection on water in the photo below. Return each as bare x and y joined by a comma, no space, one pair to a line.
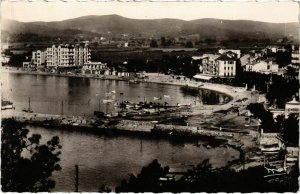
204,96
82,96
108,160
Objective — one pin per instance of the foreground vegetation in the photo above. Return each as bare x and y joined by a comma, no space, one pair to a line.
27,165
288,128
205,178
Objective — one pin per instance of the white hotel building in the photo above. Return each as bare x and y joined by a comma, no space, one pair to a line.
67,55
226,65
295,59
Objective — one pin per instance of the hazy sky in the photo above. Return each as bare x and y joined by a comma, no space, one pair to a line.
54,11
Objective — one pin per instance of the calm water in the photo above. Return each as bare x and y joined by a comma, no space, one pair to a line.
104,160
81,96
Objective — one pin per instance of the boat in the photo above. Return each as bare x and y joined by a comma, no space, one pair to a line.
108,101
114,114
123,114
128,106
6,105
133,81
117,105
27,110
183,105
99,113
110,115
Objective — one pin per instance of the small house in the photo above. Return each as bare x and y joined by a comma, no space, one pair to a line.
292,156
270,142
292,107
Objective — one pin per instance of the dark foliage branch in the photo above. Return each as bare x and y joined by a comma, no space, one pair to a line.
26,165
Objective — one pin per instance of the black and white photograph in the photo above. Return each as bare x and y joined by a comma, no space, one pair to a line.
153,97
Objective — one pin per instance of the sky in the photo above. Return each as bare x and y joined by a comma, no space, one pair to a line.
55,11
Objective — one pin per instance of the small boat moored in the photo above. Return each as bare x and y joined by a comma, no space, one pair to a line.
6,105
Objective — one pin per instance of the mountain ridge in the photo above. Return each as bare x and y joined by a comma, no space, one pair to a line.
115,25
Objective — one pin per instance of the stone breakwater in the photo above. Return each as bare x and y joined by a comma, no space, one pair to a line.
115,124
190,130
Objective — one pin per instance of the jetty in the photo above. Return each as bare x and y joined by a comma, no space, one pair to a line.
90,122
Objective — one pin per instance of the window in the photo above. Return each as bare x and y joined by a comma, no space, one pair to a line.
224,68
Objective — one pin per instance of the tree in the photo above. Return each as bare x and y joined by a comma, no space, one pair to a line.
210,41
146,181
189,44
26,166
153,43
266,117
290,132
291,72
205,178
163,41
283,58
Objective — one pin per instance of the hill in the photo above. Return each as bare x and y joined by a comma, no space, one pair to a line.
115,26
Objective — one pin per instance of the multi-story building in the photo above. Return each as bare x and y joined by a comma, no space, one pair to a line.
296,59
67,55
94,68
262,66
226,65
38,58
206,63
215,65
4,59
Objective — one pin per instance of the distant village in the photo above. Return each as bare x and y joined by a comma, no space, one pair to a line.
222,63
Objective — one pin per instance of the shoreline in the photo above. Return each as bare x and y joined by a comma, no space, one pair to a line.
234,93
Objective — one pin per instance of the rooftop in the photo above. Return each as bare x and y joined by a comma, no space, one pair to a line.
226,57
293,102
269,138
